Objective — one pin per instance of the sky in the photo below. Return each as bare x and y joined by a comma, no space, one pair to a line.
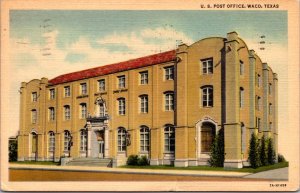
50,43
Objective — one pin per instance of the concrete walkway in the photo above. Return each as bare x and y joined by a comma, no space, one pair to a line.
131,170
276,174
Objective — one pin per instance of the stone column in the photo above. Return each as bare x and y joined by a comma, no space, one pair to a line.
265,121
275,114
181,128
89,139
232,127
106,143
252,63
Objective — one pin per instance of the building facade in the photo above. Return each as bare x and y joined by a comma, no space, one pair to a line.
168,106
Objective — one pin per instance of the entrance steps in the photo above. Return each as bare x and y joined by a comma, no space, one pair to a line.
106,162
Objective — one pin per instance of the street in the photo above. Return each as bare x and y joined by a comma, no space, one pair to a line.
64,175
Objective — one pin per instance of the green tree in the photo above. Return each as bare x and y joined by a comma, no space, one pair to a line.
217,154
254,152
263,152
13,151
271,152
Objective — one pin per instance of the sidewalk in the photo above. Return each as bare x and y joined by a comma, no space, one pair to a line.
276,174
130,170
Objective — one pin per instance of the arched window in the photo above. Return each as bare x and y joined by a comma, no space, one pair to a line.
207,96
101,109
121,139
169,137
241,97
83,140
208,132
144,139
243,137
67,140
34,142
51,141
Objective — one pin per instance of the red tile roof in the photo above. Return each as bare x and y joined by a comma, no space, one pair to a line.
117,67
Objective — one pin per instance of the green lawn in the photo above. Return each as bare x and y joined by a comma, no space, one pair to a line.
208,168
36,162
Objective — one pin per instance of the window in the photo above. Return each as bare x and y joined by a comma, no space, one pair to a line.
169,101
121,139
52,93
83,110
34,141
258,103
144,77
258,80
243,138
51,142
241,68
83,140
67,91
121,80
258,123
51,114
67,112
144,139
207,66
122,106
101,85
169,73
207,96
241,97
101,110
169,137
33,116
144,103
67,140
34,96
270,88
83,87
270,108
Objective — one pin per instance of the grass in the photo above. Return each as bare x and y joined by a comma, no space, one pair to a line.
208,168
36,162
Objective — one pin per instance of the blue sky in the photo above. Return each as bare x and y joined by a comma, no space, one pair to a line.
76,40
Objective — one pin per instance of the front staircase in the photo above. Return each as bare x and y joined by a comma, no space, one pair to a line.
92,162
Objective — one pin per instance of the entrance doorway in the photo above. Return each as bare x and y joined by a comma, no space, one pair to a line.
100,140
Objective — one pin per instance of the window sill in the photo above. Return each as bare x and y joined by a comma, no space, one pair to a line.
120,90
82,96
101,93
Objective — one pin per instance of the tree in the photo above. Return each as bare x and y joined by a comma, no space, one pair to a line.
271,152
263,152
13,151
217,154
254,152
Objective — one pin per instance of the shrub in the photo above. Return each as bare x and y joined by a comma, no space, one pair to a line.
263,152
281,158
217,151
271,152
132,160
143,161
254,152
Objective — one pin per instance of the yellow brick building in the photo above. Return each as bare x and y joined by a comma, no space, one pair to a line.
167,106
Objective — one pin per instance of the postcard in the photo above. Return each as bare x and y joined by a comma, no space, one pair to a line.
149,96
